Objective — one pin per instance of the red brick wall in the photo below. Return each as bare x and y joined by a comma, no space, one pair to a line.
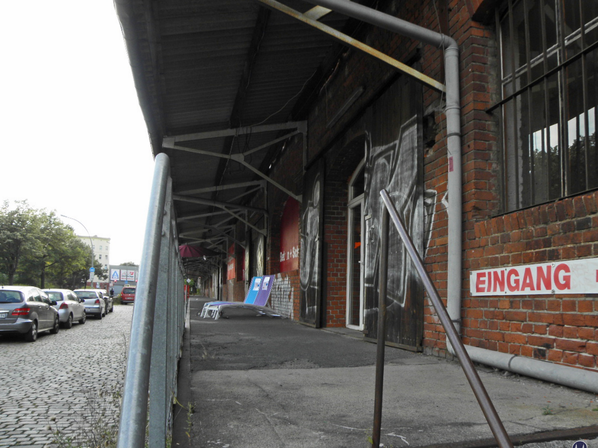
335,261
561,329
558,328
479,146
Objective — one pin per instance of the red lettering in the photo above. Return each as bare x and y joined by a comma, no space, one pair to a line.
480,284
528,280
562,281
512,283
499,280
544,278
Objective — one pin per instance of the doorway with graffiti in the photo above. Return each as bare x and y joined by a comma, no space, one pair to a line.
394,161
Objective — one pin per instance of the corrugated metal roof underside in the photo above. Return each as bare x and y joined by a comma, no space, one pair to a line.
209,65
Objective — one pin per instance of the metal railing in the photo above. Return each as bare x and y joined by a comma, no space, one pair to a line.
157,327
475,382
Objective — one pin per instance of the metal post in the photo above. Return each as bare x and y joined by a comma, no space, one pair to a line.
91,271
134,406
471,373
381,336
159,406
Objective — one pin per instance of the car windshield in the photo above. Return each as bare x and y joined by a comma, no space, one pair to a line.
86,294
129,291
53,295
10,297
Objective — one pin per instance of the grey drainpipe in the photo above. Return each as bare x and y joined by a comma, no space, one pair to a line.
453,126
568,376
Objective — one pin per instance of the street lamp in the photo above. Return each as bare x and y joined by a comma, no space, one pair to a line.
91,270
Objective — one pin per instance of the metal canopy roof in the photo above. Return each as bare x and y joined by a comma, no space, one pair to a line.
216,79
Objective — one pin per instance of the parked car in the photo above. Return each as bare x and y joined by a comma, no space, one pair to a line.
70,307
93,301
107,299
127,295
27,310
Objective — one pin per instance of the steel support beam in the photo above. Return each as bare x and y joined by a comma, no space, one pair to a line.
240,158
348,40
202,215
222,187
222,205
225,206
298,125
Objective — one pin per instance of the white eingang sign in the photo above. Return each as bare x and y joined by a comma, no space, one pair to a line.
562,277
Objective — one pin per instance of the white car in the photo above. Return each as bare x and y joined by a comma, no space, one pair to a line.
70,307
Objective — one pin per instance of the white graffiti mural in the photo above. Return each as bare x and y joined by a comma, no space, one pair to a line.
281,296
311,246
395,167
429,216
260,256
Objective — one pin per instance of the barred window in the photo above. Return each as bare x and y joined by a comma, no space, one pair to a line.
549,89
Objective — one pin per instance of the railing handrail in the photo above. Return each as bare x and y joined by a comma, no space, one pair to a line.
471,373
153,354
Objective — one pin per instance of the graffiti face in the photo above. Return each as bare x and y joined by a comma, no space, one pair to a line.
310,239
260,257
311,245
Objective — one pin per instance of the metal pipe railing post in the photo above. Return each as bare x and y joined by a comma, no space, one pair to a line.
160,362
381,335
471,373
134,405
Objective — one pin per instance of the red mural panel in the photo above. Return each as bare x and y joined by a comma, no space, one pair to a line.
231,265
289,237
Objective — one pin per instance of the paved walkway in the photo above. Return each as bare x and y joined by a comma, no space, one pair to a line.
263,382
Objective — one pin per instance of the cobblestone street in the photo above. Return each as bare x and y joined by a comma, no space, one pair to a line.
57,381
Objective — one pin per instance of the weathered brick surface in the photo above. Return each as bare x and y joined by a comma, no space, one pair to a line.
559,329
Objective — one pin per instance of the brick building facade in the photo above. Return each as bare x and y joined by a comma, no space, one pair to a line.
524,201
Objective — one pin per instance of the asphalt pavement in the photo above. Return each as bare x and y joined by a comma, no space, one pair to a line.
249,381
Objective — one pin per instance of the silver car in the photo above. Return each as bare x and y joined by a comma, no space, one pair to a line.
107,300
70,307
93,301
26,310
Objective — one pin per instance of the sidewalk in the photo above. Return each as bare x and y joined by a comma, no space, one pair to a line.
263,382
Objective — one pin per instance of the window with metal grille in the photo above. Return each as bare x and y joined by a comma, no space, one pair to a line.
549,88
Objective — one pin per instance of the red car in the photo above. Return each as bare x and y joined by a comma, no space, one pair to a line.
127,295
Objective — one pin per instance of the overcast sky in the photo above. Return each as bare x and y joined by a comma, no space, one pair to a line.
73,139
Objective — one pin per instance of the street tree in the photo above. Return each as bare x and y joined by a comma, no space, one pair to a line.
18,229
36,248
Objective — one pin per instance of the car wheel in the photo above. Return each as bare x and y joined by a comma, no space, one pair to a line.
31,335
83,318
100,315
69,322
112,308
56,327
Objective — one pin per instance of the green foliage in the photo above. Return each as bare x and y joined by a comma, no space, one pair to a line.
18,237
36,248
